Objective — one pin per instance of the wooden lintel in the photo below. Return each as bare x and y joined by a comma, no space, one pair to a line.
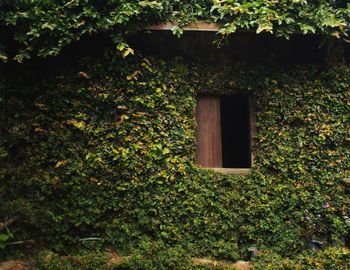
195,26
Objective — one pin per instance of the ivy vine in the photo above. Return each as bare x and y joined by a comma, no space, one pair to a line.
86,153
43,28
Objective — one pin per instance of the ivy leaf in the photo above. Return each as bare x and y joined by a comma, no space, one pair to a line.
61,163
307,28
267,27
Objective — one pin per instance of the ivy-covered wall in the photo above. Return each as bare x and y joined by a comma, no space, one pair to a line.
106,149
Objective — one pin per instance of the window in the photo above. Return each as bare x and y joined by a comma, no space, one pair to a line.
224,127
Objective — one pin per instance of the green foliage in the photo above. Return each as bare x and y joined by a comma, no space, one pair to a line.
157,255
329,259
282,17
48,260
147,255
44,28
107,150
4,237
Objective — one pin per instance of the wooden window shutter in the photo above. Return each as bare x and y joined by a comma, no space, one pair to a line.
208,132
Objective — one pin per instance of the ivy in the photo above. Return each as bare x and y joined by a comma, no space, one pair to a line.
43,28
106,149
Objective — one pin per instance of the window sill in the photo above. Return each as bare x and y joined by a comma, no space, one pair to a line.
240,171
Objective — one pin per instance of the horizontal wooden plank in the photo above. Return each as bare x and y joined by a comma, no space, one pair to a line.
195,26
241,171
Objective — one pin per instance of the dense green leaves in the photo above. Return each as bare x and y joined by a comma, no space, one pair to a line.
283,17
107,149
44,28
330,258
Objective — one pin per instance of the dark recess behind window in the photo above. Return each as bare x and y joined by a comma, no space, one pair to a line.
235,131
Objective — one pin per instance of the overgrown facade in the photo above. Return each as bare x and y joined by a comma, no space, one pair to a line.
105,146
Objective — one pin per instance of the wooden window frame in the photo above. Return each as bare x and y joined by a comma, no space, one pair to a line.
252,134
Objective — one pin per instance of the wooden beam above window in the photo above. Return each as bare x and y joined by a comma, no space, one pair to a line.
195,26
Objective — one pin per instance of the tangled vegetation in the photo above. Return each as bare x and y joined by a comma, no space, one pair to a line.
43,28
106,149
328,259
102,153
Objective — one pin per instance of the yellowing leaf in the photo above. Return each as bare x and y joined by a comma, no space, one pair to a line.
77,124
127,52
133,76
266,27
166,151
38,129
61,163
3,57
84,75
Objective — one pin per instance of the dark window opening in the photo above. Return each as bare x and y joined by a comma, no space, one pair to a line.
223,131
235,131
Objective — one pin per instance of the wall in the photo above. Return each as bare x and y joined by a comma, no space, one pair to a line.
105,147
